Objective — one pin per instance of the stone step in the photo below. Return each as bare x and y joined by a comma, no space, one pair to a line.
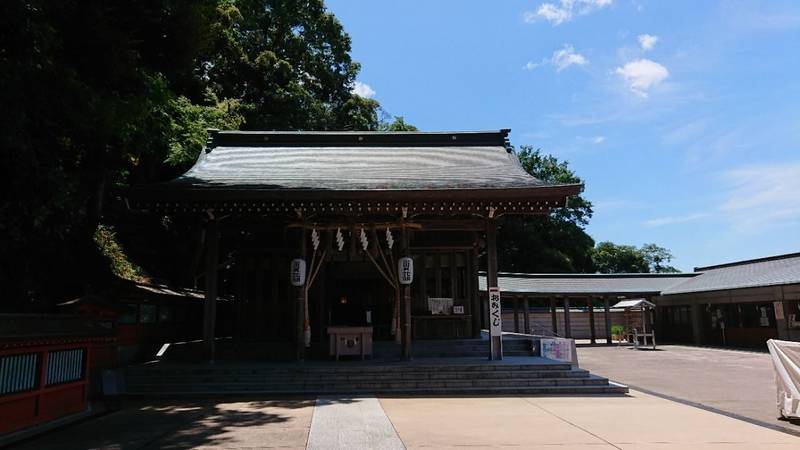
357,368
609,388
433,375
176,385
367,374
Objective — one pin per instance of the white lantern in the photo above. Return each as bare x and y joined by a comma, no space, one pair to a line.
405,270
297,272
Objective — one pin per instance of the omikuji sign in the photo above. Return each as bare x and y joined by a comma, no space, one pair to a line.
495,312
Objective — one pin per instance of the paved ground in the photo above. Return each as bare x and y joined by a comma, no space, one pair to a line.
190,424
738,383
636,421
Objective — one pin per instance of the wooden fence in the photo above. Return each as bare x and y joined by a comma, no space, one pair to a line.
39,384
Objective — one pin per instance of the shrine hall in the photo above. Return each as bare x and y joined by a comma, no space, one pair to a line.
327,243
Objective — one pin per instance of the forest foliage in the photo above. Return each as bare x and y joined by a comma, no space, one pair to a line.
98,95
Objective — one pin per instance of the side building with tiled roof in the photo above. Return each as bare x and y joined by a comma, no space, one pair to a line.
739,304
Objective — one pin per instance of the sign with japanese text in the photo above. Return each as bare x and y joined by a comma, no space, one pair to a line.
495,312
405,270
557,349
297,272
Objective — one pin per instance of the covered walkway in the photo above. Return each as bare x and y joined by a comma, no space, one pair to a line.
571,300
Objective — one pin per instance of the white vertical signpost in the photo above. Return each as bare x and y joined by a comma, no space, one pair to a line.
495,323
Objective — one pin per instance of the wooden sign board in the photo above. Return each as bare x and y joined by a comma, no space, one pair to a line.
495,312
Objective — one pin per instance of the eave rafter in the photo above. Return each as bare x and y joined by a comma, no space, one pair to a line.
301,209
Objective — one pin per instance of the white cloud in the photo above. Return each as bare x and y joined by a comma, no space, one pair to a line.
642,74
670,220
647,41
762,196
566,57
564,10
362,90
561,59
530,65
598,139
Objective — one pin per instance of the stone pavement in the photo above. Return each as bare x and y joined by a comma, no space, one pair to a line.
733,382
635,421
346,423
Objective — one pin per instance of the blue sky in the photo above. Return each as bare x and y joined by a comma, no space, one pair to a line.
682,117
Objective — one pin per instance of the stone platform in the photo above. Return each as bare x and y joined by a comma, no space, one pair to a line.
421,376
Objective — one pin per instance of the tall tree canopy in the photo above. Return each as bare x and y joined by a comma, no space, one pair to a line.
649,258
100,94
551,243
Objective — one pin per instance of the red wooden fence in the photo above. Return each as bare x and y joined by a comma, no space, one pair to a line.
42,383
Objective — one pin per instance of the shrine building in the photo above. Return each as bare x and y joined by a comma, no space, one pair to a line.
374,236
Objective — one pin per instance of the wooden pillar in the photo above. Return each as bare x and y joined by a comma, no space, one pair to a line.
516,315
476,310
300,300
592,336
526,310
553,315
210,304
495,342
567,325
406,305
321,325
607,310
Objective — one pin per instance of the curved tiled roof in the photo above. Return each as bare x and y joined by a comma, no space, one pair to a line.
778,270
356,168
479,165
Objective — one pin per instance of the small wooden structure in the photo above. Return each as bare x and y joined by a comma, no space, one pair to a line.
351,205
632,331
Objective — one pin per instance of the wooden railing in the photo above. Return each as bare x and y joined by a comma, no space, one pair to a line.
42,383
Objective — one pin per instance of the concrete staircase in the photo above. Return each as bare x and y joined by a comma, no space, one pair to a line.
469,348
451,376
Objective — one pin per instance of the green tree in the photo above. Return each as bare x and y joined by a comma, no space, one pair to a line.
612,258
556,242
399,124
649,258
288,63
658,258
98,95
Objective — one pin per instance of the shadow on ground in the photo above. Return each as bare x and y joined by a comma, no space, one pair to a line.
176,424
